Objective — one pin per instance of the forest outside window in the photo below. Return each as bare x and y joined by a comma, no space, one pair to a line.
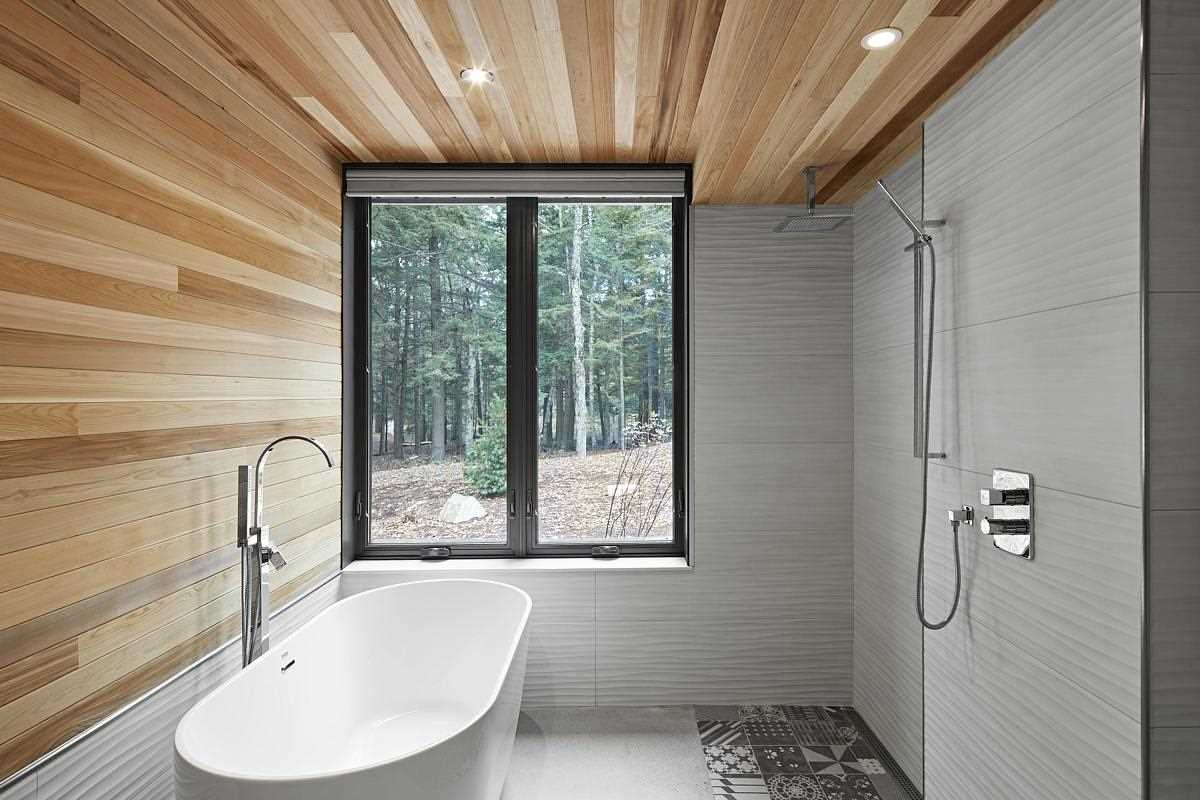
522,390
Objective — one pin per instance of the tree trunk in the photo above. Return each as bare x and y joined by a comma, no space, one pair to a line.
548,420
580,422
599,404
437,422
402,371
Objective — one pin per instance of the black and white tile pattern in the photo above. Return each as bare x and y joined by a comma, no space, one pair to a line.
771,752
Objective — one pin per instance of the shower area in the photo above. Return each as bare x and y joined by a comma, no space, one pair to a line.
996,326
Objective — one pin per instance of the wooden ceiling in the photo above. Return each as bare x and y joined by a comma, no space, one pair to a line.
750,91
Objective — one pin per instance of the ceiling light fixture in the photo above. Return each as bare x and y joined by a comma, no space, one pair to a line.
477,76
882,38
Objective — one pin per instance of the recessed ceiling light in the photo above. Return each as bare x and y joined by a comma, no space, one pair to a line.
477,75
882,38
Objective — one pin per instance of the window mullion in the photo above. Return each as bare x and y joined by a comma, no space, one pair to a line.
522,330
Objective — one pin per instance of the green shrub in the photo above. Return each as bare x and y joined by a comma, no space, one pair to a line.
487,464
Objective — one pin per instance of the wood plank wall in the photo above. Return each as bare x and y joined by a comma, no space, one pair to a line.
169,301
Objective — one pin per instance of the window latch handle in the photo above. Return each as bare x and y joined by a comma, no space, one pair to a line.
512,503
530,503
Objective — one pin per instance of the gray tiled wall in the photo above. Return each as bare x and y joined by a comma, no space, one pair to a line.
1173,411
132,757
766,614
1034,690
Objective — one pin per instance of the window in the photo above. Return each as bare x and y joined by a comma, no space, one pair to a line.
519,369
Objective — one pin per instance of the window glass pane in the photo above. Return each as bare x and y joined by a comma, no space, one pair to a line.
438,327
605,388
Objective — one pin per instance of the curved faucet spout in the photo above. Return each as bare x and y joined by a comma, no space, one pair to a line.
262,463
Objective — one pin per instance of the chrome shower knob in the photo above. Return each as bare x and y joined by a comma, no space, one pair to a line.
1004,497
1004,527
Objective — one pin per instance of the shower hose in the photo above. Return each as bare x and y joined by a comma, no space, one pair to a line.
933,626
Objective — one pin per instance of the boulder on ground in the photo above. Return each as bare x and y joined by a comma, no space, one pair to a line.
622,489
461,508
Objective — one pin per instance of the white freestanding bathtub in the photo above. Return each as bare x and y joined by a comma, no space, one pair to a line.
406,692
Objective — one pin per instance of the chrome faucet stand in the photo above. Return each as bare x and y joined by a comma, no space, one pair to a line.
259,556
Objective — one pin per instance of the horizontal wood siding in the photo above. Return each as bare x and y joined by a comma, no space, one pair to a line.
169,301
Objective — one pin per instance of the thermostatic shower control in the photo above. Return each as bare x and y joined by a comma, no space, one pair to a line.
1009,520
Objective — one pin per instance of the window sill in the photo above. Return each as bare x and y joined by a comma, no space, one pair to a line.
626,564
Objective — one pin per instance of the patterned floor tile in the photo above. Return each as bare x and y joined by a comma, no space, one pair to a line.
780,758
730,760
888,788
871,766
738,787
762,713
824,732
724,713
806,713
715,731
787,752
834,759
848,787
794,787
768,731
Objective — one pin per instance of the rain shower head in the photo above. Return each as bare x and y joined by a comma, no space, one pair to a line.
812,222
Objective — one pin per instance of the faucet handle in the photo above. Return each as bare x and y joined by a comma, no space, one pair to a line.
276,558
1004,497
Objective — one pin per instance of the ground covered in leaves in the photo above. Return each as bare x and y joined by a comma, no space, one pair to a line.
574,500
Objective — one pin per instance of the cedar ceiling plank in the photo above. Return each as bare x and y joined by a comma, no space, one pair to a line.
390,46
157,162
679,25
626,32
425,45
522,85
951,8
799,109
58,146
478,54
838,55
600,47
573,24
269,48
753,101
17,54
874,67
705,25
652,38
105,56
195,67
558,76
449,42
963,62
169,32
520,35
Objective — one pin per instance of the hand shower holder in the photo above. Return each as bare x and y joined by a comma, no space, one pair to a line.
1009,520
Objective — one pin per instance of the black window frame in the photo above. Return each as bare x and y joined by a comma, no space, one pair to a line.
521,377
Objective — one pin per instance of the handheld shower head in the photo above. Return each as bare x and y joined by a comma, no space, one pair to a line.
916,229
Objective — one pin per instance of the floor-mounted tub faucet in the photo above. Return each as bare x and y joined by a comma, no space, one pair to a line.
258,554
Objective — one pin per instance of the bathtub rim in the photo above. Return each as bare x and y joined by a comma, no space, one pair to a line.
181,752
